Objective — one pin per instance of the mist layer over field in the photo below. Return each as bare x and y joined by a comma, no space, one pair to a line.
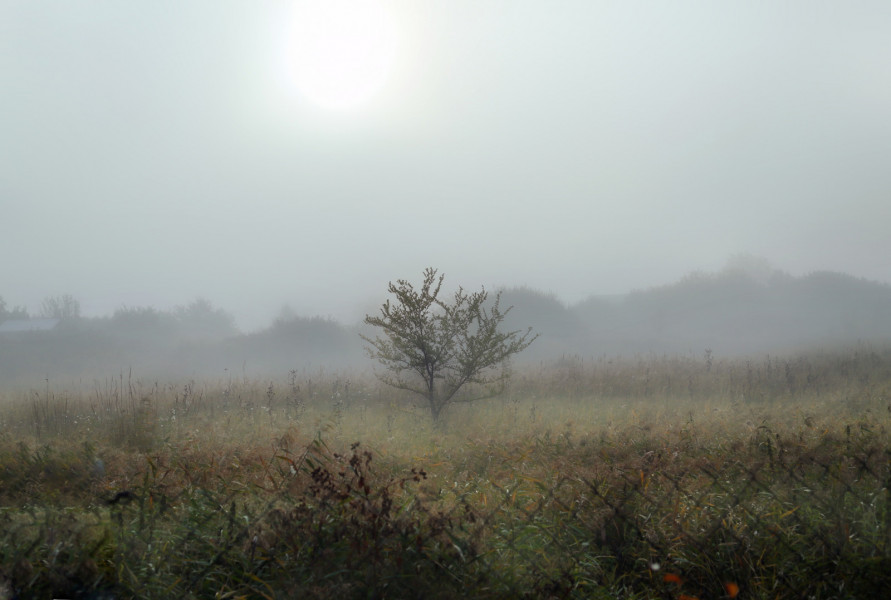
748,309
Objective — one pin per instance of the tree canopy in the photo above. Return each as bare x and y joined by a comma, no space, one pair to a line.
435,348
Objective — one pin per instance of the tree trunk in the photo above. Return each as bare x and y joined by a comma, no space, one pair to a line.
435,410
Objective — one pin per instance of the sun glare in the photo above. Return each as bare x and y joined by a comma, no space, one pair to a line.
341,51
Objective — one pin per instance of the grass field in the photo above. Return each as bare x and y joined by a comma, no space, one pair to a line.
642,477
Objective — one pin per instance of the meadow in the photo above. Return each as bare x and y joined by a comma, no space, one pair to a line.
638,477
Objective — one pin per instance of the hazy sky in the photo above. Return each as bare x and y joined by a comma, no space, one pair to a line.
155,151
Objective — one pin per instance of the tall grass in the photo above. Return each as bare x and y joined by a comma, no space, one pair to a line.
644,477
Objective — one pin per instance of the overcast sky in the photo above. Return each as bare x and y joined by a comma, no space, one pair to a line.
155,151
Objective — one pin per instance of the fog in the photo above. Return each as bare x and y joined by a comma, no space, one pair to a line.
152,153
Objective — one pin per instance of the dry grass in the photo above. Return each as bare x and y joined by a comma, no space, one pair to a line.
770,475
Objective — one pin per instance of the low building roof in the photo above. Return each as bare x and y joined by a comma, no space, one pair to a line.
20,325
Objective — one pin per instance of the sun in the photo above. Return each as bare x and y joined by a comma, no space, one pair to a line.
341,52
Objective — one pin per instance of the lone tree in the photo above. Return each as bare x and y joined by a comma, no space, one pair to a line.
434,348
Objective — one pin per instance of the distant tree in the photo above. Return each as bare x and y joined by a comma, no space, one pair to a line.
562,331
321,338
142,321
63,306
16,312
285,315
755,268
434,348
201,319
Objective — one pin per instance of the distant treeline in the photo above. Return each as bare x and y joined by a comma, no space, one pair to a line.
193,341
731,313
746,309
